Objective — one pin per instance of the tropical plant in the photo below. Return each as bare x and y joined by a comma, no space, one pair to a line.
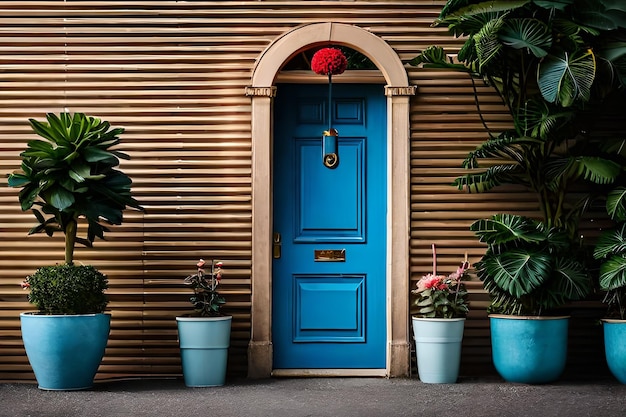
528,269
71,175
611,249
555,64
206,300
68,176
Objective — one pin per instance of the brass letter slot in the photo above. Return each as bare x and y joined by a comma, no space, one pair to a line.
330,255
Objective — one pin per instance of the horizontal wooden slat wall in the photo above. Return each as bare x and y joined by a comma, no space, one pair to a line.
173,74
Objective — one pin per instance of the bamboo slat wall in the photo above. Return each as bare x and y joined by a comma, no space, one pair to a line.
173,73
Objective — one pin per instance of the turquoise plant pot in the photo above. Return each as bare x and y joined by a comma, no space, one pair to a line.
438,349
615,347
204,343
65,351
530,350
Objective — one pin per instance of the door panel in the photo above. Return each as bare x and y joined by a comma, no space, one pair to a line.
329,280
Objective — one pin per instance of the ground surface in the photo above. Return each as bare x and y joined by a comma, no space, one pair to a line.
358,397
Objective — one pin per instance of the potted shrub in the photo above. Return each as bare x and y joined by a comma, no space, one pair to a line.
442,305
66,176
204,336
611,250
548,61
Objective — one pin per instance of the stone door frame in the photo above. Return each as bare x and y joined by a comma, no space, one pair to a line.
398,92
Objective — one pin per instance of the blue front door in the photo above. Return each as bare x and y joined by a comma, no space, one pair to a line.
329,267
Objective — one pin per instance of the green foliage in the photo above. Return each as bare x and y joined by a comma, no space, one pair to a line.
611,250
528,269
67,289
206,300
558,65
71,174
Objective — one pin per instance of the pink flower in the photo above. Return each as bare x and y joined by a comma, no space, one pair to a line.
430,281
25,285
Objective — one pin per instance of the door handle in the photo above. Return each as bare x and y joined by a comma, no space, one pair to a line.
276,245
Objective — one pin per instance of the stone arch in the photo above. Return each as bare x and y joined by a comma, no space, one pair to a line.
398,92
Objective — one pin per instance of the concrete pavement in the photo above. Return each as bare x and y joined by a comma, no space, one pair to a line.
350,397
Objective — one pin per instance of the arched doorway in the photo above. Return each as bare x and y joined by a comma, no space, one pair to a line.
398,92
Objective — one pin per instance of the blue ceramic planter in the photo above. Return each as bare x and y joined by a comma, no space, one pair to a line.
438,348
65,351
204,343
530,350
615,347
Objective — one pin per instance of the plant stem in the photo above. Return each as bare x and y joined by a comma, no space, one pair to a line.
70,241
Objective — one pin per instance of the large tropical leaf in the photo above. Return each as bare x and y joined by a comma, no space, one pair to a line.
488,45
616,204
566,78
506,146
524,33
504,228
553,4
591,168
613,273
494,6
611,242
569,281
538,120
436,57
483,181
518,271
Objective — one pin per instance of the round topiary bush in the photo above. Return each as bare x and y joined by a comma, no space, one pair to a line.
68,289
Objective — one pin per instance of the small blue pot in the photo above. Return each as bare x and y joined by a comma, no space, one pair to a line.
438,348
615,347
204,343
530,350
65,351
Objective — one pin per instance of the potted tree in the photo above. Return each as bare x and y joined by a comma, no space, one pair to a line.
611,249
441,308
547,60
66,176
204,336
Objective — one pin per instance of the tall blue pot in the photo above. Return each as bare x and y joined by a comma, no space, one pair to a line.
615,347
204,343
65,351
529,350
438,348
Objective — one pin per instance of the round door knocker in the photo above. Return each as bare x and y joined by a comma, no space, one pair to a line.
331,160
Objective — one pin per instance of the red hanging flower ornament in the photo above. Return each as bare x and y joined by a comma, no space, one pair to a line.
329,61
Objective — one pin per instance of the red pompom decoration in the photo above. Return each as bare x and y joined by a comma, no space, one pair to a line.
329,61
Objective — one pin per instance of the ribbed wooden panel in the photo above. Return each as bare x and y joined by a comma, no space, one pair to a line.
173,74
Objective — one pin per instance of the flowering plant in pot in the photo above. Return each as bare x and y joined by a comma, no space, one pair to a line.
206,300
442,305
442,296
66,176
204,336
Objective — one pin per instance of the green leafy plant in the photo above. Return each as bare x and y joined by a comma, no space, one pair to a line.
67,289
66,176
557,66
611,250
440,296
71,174
528,269
206,300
